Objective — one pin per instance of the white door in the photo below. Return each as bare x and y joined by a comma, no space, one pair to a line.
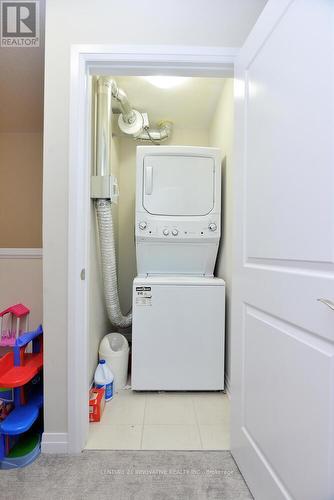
282,335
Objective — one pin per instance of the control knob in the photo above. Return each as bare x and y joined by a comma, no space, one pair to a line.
212,226
142,225
165,232
175,232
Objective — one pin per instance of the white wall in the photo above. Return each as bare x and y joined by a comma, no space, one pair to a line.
221,136
98,320
99,324
127,178
190,22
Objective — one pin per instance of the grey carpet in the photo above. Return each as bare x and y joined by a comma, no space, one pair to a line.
128,475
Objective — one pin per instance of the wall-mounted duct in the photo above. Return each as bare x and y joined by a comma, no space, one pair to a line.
134,123
102,189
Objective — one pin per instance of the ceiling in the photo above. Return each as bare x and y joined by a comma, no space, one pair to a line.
21,70
190,105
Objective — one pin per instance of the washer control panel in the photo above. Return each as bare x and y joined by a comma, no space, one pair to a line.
149,229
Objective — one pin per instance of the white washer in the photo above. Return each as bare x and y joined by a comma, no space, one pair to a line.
178,333
178,205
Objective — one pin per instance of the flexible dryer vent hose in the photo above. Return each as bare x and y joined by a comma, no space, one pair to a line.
108,261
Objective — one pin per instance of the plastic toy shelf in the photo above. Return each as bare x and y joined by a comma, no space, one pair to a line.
25,451
16,376
20,428
22,418
19,420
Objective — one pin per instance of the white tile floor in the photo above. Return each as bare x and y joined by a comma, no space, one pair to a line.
163,421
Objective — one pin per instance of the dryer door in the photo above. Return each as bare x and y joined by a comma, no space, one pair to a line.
178,185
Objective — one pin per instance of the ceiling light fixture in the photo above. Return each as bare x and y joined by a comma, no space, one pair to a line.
165,82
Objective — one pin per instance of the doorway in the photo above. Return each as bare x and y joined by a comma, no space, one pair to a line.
205,63
199,114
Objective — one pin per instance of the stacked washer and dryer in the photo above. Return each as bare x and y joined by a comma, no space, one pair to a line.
178,304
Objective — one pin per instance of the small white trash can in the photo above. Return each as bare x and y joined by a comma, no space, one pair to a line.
114,348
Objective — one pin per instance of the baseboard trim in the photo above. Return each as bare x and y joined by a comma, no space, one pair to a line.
54,442
21,253
227,386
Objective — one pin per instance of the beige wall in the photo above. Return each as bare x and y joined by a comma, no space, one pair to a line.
102,22
127,182
21,190
21,281
21,221
221,135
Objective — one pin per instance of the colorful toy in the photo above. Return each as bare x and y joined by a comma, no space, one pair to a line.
20,429
9,333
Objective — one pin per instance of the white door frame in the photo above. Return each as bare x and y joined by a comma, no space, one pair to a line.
113,60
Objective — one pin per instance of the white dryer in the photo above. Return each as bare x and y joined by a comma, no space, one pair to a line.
178,200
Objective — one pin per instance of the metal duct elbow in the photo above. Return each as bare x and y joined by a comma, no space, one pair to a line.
105,85
156,135
128,113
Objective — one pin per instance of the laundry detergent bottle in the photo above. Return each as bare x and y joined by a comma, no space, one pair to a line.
103,377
